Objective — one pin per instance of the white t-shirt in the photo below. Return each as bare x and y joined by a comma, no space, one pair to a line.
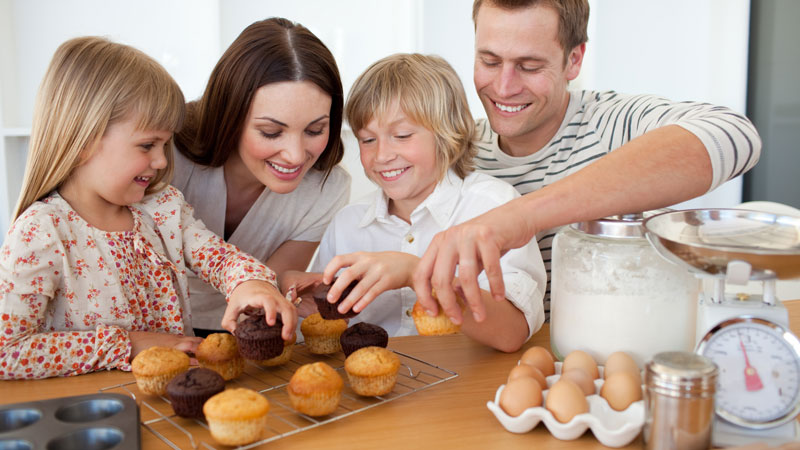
300,215
366,225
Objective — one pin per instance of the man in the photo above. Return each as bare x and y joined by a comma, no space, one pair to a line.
555,146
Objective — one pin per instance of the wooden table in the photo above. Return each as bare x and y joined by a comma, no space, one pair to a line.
452,414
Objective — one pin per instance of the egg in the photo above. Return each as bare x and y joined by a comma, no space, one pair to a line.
621,362
525,370
620,390
581,378
540,358
565,400
579,359
520,394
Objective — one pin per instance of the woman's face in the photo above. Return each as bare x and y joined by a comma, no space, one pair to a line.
286,130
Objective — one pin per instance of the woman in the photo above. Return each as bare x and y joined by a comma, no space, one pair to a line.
259,152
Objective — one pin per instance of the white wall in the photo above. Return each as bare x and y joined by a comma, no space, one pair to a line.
682,49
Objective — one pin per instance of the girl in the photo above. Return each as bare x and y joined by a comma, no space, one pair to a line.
259,153
411,118
93,270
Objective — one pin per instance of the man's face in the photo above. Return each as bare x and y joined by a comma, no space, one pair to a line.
520,74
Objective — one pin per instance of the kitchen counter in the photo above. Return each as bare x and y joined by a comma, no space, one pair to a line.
451,414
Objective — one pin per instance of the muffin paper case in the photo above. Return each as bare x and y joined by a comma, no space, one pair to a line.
612,428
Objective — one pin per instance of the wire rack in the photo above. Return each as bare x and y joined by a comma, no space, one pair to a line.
157,416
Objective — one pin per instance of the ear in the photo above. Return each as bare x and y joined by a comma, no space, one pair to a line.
574,62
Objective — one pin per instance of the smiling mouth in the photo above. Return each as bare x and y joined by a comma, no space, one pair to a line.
282,169
142,179
393,173
511,109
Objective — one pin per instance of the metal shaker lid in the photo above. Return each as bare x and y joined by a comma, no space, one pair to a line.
681,374
625,226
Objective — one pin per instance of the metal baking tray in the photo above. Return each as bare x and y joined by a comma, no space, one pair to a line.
83,422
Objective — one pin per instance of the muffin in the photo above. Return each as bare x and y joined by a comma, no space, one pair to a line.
257,340
322,336
432,326
284,357
361,335
315,389
154,367
236,416
220,353
372,370
328,310
189,390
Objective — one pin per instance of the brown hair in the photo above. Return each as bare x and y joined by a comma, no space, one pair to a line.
573,18
90,84
429,91
268,51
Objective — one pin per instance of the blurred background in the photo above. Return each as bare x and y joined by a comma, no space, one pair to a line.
682,49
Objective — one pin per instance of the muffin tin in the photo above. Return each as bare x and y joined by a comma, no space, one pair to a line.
612,428
84,422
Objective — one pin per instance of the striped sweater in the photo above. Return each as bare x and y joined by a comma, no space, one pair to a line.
598,122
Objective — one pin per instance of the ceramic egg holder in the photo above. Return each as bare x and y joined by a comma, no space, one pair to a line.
612,428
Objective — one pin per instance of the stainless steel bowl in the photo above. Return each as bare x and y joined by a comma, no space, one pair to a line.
706,240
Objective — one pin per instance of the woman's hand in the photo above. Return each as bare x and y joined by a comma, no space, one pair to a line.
378,272
141,340
260,295
298,287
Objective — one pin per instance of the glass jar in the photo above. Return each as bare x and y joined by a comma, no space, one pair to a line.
611,291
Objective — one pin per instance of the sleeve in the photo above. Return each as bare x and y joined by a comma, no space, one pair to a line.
732,142
215,261
333,197
30,276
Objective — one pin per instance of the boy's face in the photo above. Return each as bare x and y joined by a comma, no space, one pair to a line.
399,155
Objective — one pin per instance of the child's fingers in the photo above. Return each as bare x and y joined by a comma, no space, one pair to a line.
336,263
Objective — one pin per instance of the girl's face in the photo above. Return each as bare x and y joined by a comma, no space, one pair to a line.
286,131
400,156
120,167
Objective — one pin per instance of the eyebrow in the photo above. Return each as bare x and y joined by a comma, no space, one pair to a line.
520,59
278,122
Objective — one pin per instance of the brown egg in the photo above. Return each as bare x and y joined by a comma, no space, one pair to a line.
520,394
581,378
540,358
579,359
620,390
621,362
565,400
525,370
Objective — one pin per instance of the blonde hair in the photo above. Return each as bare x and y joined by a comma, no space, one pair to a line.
92,83
430,93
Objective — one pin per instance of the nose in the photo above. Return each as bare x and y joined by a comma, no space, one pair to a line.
293,151
385,153
159,157
507,83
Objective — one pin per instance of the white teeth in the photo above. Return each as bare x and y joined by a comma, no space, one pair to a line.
505,108
392,173
142,178
283,169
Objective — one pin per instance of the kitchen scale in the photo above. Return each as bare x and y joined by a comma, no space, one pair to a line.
746,335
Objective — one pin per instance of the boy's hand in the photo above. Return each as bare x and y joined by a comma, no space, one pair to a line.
378,272
262,295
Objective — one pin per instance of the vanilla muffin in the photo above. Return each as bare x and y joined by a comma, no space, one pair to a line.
236,416
322,336
220,353
315,389
432,326
154,367
284,357
372,370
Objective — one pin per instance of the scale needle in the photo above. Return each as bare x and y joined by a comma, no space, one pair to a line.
752,381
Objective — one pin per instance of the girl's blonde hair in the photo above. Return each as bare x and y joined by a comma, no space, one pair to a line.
92,83
430,93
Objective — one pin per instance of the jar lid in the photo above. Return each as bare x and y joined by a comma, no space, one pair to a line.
625,226
681,372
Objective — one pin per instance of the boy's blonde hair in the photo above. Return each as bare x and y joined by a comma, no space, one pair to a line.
92,83
430,93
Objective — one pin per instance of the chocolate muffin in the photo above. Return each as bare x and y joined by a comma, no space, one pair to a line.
257,340
328,310
189,390
361,335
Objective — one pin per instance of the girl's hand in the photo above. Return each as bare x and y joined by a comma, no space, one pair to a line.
141,340
378,271
260,295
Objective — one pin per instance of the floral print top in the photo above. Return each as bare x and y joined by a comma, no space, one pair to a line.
70,292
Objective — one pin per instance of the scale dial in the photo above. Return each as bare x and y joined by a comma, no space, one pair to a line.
759,371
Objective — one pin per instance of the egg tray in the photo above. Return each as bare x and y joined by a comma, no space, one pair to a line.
612,428
83,422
